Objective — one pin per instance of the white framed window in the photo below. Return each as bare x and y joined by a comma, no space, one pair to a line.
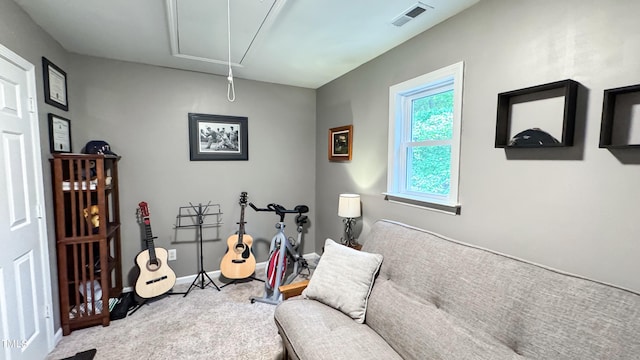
425,115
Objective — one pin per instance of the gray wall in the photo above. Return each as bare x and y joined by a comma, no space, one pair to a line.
22,36
142,112
575,209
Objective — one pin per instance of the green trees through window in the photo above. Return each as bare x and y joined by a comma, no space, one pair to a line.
429,169
432,117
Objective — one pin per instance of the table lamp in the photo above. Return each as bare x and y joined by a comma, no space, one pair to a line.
349,209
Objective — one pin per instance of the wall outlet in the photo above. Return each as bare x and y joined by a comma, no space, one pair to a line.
172,254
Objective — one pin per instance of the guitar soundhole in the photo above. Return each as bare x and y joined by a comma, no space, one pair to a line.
154,267
239,248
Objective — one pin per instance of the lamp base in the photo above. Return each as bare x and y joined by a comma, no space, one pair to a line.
355,246
349,240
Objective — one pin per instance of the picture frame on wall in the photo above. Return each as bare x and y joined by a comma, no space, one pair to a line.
59,134
340,143
55,85
218,137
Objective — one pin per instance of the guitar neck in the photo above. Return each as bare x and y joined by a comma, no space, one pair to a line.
149,240
241,229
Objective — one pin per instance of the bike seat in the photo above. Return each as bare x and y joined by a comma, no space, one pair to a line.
301,209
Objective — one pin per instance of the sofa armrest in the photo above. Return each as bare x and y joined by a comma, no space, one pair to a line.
293,289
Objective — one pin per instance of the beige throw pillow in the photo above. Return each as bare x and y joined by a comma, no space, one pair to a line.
343,279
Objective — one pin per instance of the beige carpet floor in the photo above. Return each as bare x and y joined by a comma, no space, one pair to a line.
206,324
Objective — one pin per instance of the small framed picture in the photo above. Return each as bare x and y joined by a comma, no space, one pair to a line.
340,143
218,137
59,134
55,85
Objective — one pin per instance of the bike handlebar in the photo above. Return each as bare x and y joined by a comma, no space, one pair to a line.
281,210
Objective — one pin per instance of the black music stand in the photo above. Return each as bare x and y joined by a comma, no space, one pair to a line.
200,213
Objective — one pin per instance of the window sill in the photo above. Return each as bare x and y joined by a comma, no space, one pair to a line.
423,204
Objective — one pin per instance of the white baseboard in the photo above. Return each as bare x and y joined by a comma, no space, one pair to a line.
312,259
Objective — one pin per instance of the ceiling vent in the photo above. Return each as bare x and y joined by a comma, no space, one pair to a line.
410,14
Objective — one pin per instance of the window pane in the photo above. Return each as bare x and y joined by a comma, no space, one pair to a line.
432,117
429,169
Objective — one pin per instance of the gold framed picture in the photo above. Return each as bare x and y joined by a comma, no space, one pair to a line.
340,143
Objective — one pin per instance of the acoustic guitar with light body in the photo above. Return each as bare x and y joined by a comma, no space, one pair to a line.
239,262
156,277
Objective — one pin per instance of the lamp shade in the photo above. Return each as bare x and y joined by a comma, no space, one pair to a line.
349,206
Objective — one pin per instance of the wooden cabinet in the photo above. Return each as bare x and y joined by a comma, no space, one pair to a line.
87,217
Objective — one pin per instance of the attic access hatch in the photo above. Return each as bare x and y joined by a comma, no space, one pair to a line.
198,28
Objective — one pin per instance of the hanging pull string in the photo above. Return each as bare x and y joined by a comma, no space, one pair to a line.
231,90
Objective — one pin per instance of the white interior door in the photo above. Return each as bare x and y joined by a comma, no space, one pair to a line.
25,284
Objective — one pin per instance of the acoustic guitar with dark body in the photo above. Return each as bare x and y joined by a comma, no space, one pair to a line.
239,262
156,277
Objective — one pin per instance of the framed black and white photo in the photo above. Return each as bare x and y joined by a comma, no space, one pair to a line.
218,137
59,134
55,85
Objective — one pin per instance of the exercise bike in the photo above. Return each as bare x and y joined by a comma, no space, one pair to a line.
283,250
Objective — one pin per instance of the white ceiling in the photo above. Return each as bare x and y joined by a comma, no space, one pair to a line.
303,43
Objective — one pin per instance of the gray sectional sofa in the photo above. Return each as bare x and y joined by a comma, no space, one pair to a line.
436,298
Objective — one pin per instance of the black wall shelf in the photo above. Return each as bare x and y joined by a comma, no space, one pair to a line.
569,90
613,123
